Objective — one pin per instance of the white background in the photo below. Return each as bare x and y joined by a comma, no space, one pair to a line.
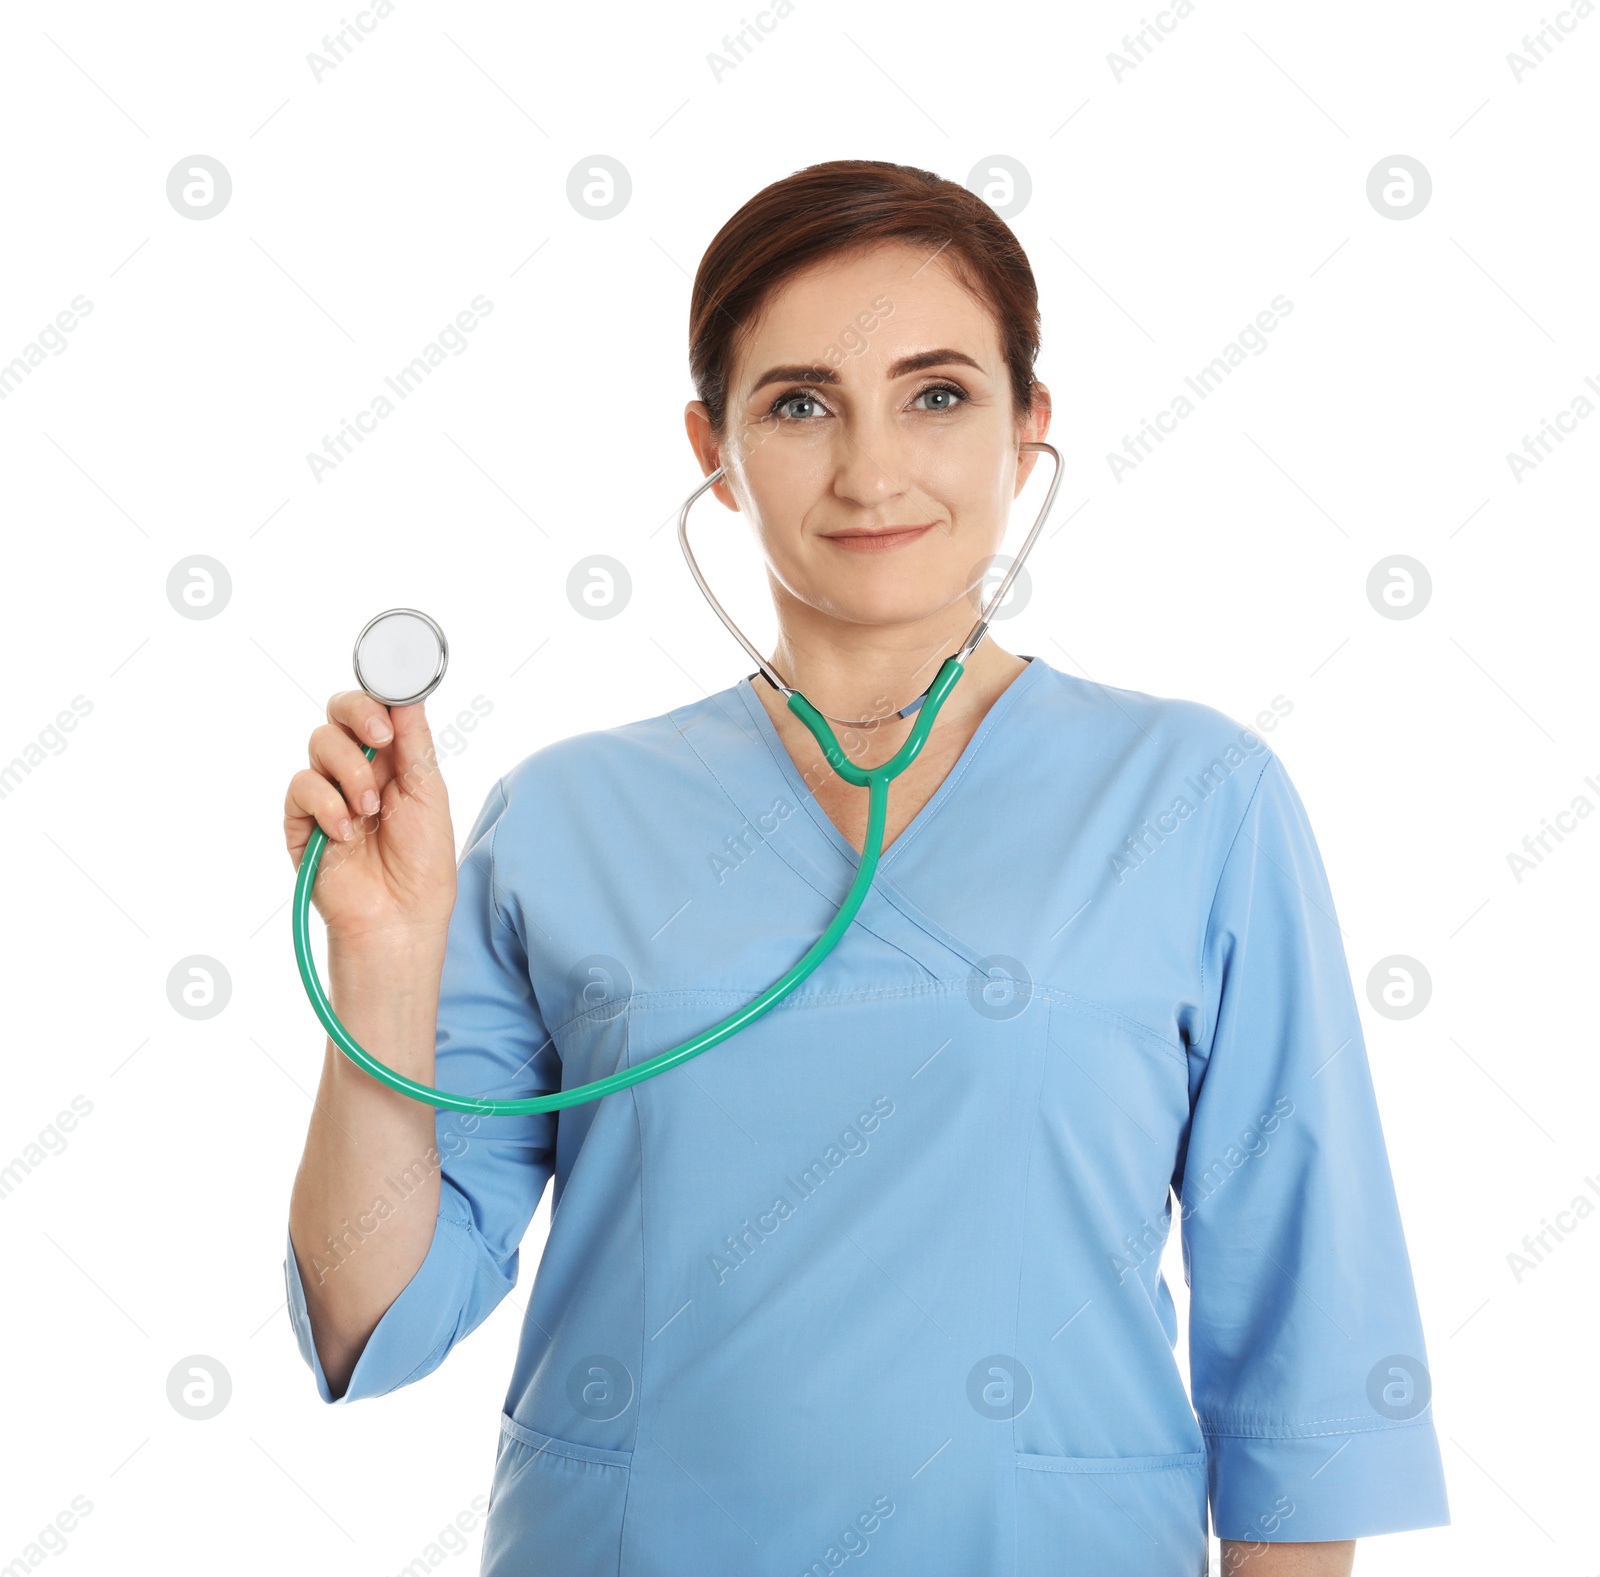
368,208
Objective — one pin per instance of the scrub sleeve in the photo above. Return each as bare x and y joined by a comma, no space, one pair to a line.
1308,1370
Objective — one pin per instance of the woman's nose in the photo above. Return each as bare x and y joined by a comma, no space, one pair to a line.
869,463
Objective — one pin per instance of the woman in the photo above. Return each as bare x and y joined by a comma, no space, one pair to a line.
880,1274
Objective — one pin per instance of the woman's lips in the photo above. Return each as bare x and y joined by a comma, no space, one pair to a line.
880,541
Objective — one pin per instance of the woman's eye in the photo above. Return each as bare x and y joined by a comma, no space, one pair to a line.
806,407
944,395
783,406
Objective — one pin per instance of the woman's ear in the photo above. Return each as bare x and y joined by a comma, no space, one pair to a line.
697,419
1031,430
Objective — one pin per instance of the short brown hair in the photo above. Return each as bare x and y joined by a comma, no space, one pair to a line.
842,206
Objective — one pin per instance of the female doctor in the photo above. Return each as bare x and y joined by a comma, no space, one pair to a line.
880,1273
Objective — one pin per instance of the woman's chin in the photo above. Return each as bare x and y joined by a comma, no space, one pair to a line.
894,609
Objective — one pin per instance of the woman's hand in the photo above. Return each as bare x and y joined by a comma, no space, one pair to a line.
389,870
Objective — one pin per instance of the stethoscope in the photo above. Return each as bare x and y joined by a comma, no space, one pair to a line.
400,657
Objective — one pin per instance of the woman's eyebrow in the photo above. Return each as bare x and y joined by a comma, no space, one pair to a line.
800,373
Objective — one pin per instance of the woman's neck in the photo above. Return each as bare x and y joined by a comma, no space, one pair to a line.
869,680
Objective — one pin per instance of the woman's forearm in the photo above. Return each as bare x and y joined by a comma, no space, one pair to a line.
354,1261
1257,1558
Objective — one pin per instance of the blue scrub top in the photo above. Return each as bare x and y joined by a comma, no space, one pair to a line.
879,1275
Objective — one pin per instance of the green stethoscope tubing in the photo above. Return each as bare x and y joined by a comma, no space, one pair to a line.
875,780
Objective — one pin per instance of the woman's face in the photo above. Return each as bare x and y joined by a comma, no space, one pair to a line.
870,437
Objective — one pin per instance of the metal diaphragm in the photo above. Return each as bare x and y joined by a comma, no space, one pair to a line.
400,656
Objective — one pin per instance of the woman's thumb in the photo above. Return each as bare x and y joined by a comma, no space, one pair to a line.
416,764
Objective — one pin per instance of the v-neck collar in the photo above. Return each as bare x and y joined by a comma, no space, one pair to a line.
991,719
750,763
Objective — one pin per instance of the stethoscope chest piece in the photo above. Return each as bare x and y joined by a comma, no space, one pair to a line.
400,656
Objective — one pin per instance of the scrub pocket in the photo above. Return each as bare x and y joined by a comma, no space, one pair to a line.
555,1507
1109,1516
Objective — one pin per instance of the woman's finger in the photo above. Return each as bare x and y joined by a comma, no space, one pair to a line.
342,761
312,795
